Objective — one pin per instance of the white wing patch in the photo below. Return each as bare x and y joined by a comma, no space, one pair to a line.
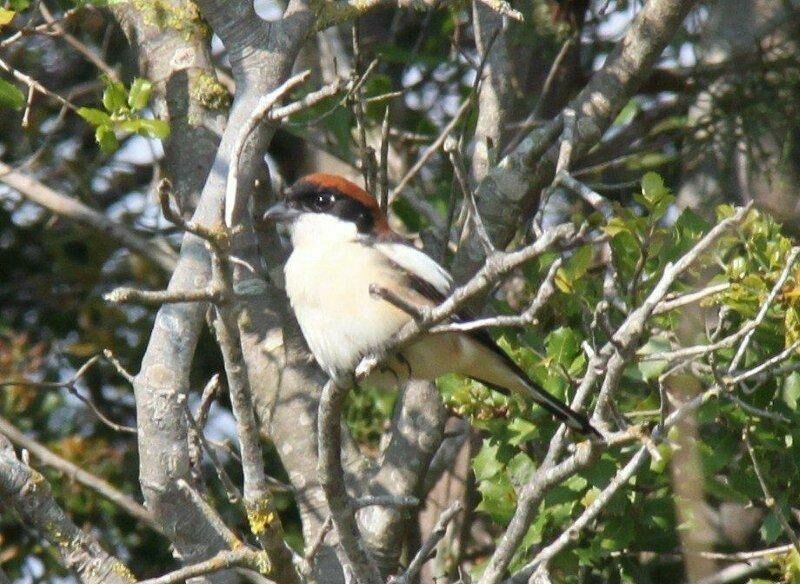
418,263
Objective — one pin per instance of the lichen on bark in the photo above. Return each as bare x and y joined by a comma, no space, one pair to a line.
182,16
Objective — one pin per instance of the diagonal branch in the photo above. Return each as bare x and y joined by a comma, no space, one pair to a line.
74,210
28,493
510,191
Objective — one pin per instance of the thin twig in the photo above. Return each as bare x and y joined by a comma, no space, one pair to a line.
427,548
76,473
769,500
158,297
431,150
234,206
460,171
383,169
396,300
231,490
762,313
241,557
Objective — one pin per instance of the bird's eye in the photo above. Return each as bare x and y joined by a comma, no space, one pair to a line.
323,201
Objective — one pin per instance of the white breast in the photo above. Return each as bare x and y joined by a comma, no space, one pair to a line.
328,276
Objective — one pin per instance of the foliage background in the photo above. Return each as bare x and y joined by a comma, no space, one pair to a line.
714,124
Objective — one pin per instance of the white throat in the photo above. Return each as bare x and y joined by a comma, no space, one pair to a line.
321,230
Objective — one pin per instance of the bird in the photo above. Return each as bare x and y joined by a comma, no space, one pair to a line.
342,249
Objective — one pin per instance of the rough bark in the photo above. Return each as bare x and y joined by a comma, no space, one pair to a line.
511,189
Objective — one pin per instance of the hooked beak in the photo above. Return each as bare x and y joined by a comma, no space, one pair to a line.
281,213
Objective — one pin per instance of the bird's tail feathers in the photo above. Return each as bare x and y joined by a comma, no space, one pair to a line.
562,412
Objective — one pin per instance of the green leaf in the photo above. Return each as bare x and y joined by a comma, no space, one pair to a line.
498,498
652,369
114,96
94,116
521,468
563,345
617,225
485,464
791,390
154,128
139,94
20,5
106,139
770,529
6,16
653,187
10,95
689,227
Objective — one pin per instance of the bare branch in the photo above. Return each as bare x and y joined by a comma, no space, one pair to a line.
241,557
28,493
769,500
427,548
431,150
331,475
73,210
234,202
510,190
76,473
159,297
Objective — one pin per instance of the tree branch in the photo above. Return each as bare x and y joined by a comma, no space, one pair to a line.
73,210
29,494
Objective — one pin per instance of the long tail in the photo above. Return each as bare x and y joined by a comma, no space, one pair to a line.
499,371
561,411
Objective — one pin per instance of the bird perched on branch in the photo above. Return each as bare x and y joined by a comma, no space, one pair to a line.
343,250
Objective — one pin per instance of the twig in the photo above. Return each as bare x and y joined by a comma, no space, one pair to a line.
504,9
28,492
111,358
69,385
281,113
57,384
158,297
233,204
424,552
383,169
595,199
34,85
738,572
311,551
210,392
331,476
72,209
762,313
76,44
394,299
164,192
78,474
766,365
386,501
431,150
231,490
525,318
241,557
769,500
209,513
567,139
454,153
669,304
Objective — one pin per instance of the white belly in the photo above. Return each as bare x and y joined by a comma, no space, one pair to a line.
328,287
